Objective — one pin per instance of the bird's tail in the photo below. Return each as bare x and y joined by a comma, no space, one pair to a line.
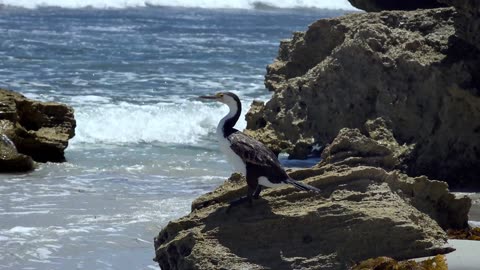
301,186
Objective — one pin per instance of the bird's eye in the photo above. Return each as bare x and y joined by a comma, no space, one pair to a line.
220,95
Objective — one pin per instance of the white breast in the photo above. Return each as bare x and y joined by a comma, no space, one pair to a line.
232,158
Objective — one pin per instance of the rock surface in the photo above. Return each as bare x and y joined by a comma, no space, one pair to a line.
403,66
40,130
362,212
467,23
379,5
11,160
380,149
351,148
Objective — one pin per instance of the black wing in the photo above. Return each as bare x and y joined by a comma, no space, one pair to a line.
252,151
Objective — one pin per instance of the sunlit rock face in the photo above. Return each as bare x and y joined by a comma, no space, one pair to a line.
37,129
365,209
405,66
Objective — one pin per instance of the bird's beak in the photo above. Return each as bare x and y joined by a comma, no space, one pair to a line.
208,97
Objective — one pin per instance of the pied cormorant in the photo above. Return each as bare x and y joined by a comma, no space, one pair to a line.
248,156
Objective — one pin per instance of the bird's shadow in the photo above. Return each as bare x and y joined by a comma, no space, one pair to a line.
260,236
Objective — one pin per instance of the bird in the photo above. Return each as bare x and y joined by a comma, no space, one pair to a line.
248,156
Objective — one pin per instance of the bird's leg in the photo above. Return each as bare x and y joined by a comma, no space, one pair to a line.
256,194
242,199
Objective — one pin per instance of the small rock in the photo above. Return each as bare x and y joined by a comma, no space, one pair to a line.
38,129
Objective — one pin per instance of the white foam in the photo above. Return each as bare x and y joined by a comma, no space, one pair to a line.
125,123
43,253
22,230
473,223
89,99
24,213
242,4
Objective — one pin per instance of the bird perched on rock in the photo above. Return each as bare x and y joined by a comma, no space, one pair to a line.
248,156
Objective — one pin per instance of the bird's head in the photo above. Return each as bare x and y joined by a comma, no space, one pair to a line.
228,98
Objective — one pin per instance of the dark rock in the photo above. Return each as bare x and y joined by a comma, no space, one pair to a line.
467,23
403,66
11,160
379,5
38,129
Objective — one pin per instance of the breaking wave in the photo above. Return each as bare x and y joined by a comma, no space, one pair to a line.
126,123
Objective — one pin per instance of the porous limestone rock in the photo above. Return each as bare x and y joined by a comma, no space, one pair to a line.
38,129
403,66
351,148
379,5
379,149
362,212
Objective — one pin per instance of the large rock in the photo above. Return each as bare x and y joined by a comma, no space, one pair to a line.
379,149
402,66
38,129
379,5
467,22
362,212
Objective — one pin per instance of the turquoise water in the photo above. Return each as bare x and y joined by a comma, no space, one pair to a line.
144,146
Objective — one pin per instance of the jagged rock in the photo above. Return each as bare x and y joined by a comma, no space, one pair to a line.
38,129
351,147
380,149
379,5
381,132
402,66
362,212
467,23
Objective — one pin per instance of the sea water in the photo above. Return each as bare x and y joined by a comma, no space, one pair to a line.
144,146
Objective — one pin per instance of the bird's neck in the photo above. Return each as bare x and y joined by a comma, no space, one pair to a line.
225,127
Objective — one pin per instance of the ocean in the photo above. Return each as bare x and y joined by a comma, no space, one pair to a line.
144,145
